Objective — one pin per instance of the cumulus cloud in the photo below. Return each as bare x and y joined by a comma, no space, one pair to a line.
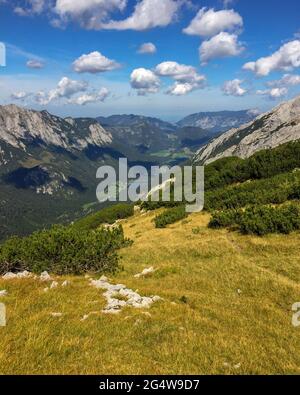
274,93
208,22
181,89
148,14
20,95
233,88
147,48
220,46
187,78
90,14
286,59
285,81
66,88
35,64
93,63
32,7
92,97
144,81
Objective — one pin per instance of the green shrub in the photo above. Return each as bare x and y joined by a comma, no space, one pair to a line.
264,220
260,220
170,216
275,190
108,215
224,219
63,250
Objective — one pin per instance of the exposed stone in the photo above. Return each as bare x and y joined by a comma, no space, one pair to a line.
269,130
54,284
3,293
56,315
45,277
145,272
116,294
11,276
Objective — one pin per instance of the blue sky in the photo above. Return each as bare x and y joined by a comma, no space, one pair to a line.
83,58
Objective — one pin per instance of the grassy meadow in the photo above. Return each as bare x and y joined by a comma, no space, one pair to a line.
226,308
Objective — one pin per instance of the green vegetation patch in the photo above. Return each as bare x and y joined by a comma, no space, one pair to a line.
108,215
260,220
63,250
170,216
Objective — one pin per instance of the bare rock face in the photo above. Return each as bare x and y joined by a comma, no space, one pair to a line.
269,130
20,127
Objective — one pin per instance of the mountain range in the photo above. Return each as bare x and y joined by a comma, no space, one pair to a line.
268,130
48,164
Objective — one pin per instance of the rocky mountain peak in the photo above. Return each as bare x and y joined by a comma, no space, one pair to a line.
268,130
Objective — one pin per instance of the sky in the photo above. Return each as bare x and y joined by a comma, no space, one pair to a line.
162,58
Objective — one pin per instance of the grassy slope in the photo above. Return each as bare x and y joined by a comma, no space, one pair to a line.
216,329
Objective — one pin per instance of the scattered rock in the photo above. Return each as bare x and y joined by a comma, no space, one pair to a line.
145,272
3,293
118,297
54,284
239,291
45,277
65,283
11,276
137,209
56,315
46,289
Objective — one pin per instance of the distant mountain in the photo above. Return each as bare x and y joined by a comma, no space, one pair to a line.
47,167
220,121
269,130
136,120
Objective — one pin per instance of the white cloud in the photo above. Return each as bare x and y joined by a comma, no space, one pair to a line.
33,7
66,88
147,48
92,97
208,22
181,89
286,80
144,81
233,88
274,93
35,64
187,78
90,14
286,58
20,95
220,46
94,62
148,14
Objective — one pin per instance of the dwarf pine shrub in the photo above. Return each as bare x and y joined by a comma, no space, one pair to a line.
170,216
63,250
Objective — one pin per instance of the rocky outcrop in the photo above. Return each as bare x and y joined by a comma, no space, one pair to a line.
20,127
269,130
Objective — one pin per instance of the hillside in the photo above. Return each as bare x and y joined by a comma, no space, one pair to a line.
226,309
269,130
219,121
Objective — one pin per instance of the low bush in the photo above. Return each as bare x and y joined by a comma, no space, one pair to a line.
170,216
108,215
224,219
260,220
63,250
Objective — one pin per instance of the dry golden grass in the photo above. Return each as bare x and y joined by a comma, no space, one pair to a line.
204,325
